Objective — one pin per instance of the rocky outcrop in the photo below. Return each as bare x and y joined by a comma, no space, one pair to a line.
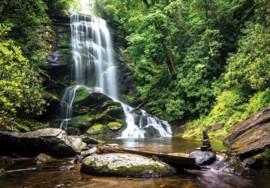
96,115
43,158
203,157
250,136
127,165
53,142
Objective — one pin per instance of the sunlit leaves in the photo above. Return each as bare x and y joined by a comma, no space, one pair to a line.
20,85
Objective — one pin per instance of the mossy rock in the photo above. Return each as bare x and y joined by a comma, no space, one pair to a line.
125,165
95,129
114,126
138,112
2,173
81,120
81,94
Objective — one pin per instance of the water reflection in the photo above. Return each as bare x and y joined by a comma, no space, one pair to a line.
165,145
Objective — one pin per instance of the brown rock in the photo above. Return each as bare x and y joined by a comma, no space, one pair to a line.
43,158
251,135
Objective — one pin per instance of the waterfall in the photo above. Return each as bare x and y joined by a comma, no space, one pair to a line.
95,70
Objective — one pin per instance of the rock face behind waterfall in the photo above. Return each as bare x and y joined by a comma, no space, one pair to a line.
97,115
125,165
250,136
54,142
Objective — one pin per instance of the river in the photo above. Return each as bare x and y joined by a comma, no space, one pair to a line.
26,174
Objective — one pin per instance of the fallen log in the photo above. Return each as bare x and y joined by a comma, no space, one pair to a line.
175,161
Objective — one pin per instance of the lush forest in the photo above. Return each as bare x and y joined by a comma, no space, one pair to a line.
198,62
24,46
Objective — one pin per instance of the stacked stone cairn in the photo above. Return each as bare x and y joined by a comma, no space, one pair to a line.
206,143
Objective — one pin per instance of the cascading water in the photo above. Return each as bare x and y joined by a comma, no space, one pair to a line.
95,70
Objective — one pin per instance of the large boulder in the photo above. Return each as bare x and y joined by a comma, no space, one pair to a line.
125,165
96,115
53,142
250,136
203,157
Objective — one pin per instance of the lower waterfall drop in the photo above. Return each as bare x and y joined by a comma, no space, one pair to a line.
95,70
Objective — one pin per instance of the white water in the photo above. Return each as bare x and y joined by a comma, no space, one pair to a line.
95,70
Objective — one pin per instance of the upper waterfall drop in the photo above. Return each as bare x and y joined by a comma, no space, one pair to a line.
94,69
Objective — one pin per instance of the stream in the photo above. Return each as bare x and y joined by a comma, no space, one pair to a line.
26,174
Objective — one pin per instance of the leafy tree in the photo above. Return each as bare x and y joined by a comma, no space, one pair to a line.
20,86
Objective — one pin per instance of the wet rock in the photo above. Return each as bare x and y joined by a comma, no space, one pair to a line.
89,152
66,168
88,140
5,161
111,145
53,142
125,165
77,142
250,136
2,173
91,146
43,158
78,159
249,162
203,157
230,165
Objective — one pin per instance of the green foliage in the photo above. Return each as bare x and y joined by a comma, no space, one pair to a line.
30,28
178,49
251,62
20,86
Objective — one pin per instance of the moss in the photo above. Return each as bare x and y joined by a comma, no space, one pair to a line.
81,94
95,129
115,125
263,159
65,41
72,130
55,123
138,112
82,118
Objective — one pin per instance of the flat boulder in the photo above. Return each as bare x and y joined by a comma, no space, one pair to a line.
53,142
250,136
127,165
203,157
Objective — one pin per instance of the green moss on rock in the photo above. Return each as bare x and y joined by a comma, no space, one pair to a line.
114,125
81,94
125,165
95,129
